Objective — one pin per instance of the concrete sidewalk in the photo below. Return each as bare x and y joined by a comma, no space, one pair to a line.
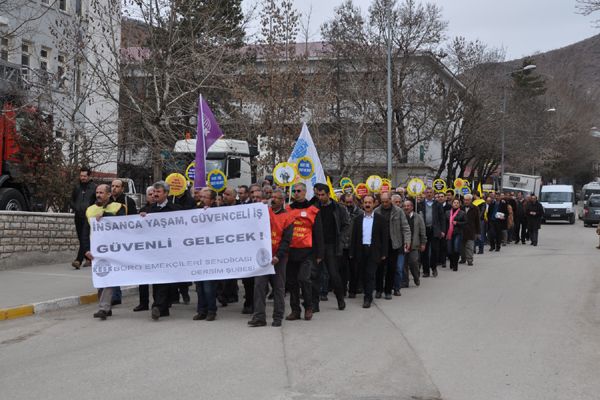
37,289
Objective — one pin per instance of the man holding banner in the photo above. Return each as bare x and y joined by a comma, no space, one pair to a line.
282,228
161,291
103,207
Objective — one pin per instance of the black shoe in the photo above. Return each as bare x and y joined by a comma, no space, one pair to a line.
255,323
315,308
211,316
455,268
443,265
388,296
498,249
199,317
155,313
470,263
103,314
115,302
404,285
276,323
341,304
271,296
397,293
417,282
76,264
140,307
186,300
491,249
535,244
425,275
480,252
247,310
366,304
323,297
522,242
462,262
435,272
378,295
351,295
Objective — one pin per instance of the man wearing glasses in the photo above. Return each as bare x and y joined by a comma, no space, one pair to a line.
306,251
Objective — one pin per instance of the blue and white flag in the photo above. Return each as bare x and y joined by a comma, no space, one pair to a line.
305,147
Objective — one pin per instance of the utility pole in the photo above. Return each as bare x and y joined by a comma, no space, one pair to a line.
389,89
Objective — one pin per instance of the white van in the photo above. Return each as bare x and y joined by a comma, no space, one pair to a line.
558,202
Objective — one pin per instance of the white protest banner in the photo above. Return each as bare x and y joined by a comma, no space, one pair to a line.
182,246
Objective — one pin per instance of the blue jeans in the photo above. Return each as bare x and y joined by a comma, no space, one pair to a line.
480,241
117,295
207,297
453,245
399,277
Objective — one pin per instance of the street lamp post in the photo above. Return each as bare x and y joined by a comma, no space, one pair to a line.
503,133
389,89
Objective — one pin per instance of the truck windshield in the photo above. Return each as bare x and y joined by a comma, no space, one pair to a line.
594,201
556,197
215,164
588,192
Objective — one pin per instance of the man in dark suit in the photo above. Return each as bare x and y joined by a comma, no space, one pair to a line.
435,227
160,292
369,244
471,230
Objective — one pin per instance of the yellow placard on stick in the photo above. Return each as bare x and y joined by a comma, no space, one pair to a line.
177,184
284,174
374,183
439,185
415,187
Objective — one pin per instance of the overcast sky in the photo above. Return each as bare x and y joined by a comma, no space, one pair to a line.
522,27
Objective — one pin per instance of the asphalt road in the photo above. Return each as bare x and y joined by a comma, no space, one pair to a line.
523,323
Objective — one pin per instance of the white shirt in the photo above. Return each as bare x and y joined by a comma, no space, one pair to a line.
367,229
163,204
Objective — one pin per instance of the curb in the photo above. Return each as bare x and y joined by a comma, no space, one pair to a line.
28,310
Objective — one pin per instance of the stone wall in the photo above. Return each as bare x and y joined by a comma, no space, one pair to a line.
36,238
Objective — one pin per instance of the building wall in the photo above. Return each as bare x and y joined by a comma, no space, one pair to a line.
85,120
36,238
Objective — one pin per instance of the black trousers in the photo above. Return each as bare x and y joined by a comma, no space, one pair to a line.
298,278
368,268
386,272
355,279
331,262
431,254
533,235
495,234
249,292
161,293
345,269
79,224
144,291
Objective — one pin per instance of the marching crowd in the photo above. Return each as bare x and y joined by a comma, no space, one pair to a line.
348,246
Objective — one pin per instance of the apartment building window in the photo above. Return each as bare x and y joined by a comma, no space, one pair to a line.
78,7
4,48
46,2
62,4
44,57
25,58
59,133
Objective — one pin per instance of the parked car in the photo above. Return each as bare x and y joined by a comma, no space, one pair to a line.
591,211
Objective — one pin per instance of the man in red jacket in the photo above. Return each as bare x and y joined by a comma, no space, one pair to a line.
306,251
282,228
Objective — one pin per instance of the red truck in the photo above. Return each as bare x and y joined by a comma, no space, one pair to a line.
14,195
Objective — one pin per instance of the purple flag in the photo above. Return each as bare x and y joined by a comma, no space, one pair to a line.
207,133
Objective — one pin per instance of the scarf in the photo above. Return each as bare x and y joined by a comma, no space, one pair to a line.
453,214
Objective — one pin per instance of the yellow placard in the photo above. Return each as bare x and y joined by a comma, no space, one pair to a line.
177,183
305,167
190,171
458,183
361,190
344,181
374,183
285,173
348,188
439,185
216,180
415,187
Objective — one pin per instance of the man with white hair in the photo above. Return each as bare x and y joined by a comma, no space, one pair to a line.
471,230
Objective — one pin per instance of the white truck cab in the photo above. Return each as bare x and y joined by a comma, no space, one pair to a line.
227,155
558,202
